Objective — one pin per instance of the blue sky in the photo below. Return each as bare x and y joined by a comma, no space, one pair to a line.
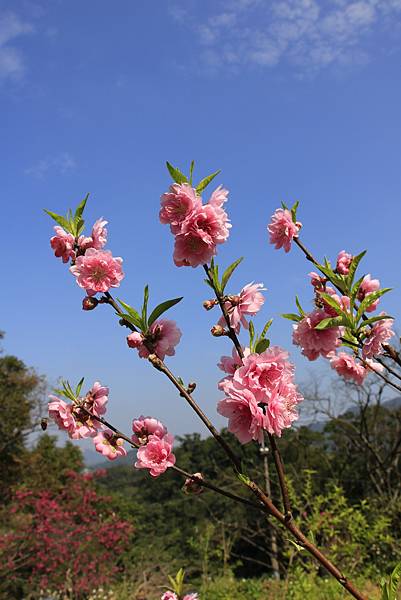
292,99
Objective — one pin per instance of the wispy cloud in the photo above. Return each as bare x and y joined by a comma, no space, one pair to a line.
11,59
62,164
306,34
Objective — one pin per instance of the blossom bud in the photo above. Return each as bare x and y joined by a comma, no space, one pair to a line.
209,304
192,485
218,331
43,424
89,303
191,387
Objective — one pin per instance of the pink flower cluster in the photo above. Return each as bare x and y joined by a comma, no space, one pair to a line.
248,302
314,342
163,336
260,395
155,445
95,269
347,367
282,229
198,228
380,333
75,420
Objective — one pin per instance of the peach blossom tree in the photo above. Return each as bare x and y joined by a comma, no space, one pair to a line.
259,395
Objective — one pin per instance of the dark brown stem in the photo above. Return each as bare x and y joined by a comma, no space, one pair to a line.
278,462
185,474
297,533
162,367
220,299
270,508
276,453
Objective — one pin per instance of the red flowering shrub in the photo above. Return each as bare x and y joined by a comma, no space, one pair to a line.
54,540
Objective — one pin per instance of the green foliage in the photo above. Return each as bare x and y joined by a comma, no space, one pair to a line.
390,586
72,223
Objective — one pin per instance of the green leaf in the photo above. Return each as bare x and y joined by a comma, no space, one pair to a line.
369,300
330,322
294,211
266,328
79,227
79,387
331,302
261,346
59,219
161,308
176,174
205,182
145,305
191,172
228,272
80,208
297,302
251,334
292,316
374,320
353,267
135,318
354,292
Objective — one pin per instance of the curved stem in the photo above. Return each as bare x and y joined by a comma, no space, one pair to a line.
202,482
270,508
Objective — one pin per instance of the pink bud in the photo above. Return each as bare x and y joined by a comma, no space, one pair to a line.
89,303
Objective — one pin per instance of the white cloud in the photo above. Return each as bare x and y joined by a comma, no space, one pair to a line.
62,164
11,59
307,34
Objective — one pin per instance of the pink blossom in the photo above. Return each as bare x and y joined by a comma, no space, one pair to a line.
380,333
156,455
169,596
229,364
263,373
72,419
281,410
63,244
61,412
346,366
343,262
368,286
143,427
193,596
191,250
135,339
200,232
210,222
218,197
96,399
282,229
314,342
248,302
177,204
246,419
162,337
99,234
317,281
109,444
97,271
